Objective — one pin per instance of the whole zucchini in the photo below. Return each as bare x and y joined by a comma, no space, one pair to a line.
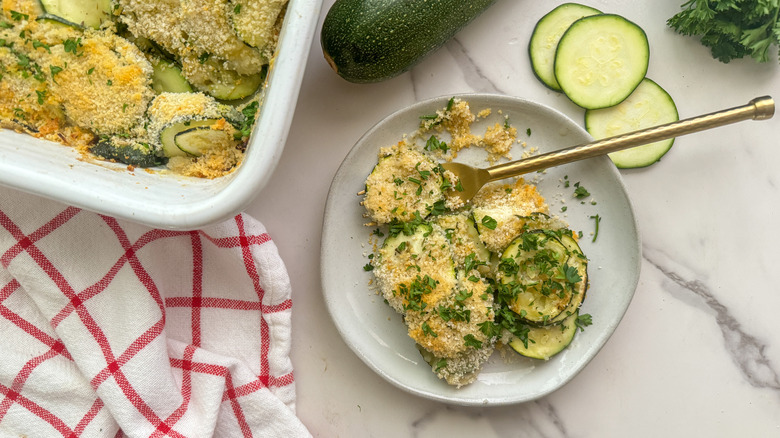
373,40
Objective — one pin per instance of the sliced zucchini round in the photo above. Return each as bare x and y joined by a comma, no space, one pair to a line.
397,243
600,60
169,133
579,262
414,270
537,273
212,78
468,249
128,151
240,87
86,13
195,141
210,33
167,77
404,184
545,37
547,341
254,21
649,105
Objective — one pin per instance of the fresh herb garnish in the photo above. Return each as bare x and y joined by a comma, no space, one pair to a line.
245,127
72,45
414,292
731,29
583,321
428,330
18,16
580,191
54,71
471,341
597,218
489,222
434,144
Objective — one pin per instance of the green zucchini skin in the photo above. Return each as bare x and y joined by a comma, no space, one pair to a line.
368,41
137,155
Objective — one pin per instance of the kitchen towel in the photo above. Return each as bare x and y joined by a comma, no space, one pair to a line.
109,328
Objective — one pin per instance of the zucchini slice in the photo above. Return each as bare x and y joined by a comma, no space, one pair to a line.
195,141
128,151
210,33
649,105
255,22
167,77
579,262
169,134
545,37
212,78
600,60
537,279
415,270
86,13
469,252
404,184
239,87
401,241
547,341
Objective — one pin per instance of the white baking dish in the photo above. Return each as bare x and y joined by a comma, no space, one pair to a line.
163,200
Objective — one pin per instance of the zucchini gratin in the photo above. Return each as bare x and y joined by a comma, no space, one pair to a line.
172,84
499,271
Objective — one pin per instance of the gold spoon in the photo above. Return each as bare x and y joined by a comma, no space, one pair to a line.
472,178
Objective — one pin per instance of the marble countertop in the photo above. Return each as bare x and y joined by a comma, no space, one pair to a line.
697,353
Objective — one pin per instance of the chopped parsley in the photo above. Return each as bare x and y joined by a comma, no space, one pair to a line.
54,71
489,223
414,292
471,341
37,45
580,191
428,330
434,144
72,45
245,127
596,218
583,321
18,16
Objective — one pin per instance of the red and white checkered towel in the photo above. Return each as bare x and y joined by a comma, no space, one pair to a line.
109,328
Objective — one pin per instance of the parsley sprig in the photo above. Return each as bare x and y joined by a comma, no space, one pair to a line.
731,29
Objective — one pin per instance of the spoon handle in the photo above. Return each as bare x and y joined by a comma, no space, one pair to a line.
760,108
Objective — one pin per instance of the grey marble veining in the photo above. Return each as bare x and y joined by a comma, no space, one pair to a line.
747,350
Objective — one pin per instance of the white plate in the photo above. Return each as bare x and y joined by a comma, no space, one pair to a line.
376,333
169,201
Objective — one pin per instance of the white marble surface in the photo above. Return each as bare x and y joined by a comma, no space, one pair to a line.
697,353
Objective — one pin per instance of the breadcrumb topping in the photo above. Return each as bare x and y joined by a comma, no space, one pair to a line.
437,264
81,86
